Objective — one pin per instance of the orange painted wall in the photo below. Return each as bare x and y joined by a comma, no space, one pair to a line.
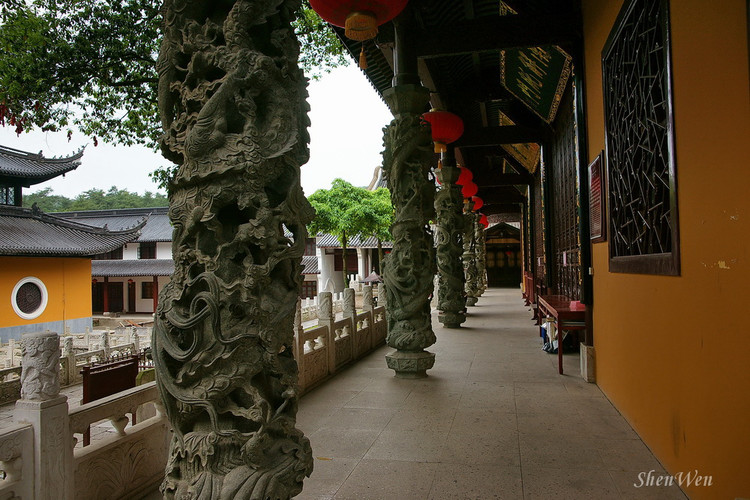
671,352
68,283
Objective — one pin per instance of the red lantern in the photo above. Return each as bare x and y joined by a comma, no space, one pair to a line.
478,202
483,221
469,189
360,18
446,128
464,177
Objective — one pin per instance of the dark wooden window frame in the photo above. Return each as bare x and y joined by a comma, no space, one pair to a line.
665,263
597,204
147,289
147,250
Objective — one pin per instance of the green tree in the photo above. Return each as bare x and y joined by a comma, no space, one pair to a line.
90,65
47,202
94,199
375,217
343,212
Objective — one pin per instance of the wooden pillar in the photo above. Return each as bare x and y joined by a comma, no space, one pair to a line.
155,292
106,295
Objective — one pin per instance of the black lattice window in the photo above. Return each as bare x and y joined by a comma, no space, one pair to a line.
565,266
7,195
29,297
640,141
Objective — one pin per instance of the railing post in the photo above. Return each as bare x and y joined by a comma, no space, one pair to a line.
136,341
12,351
70,355
42,406
298,348
105,343
326,318
350,312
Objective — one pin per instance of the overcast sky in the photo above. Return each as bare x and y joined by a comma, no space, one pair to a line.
347,118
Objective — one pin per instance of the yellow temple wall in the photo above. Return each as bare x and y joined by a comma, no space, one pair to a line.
671,352
68,284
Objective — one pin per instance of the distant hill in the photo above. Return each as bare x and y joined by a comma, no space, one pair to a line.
94,199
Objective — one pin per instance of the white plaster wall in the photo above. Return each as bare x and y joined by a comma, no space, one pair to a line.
130,251
163,250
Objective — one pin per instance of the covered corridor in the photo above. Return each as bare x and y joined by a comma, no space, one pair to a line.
492,420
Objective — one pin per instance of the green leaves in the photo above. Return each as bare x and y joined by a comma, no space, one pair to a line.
345,211
94,199
90,65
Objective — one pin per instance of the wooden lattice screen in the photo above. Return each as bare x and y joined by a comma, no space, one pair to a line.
565,246
644,236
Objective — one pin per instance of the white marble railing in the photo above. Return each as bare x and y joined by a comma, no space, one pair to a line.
41,459
326,348
129,462
16,466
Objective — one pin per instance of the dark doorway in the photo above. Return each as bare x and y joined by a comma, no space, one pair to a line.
115,297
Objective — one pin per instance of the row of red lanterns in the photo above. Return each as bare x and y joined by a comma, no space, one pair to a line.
360,20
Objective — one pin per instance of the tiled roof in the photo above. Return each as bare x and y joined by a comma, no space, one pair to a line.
30,168
157,226
30,232
331,241
310,264
140,267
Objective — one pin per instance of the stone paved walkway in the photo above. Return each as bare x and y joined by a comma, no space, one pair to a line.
493,420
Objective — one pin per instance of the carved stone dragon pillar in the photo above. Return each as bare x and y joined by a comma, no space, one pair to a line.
448,201
471,271
232,103
410,266
481,250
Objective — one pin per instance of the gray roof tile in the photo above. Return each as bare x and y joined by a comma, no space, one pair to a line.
310,264
34,168
331,241
157,226
27,232
141,267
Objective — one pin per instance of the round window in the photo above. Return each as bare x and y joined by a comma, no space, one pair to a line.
29,298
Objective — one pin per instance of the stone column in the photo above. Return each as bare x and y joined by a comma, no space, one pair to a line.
367,303
410,266
42,406
450,226
12,351
481,251
471,272
232,104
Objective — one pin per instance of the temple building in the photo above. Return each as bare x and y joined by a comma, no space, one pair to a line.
45,260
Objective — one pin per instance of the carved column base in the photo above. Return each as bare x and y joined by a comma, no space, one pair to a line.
451,319
471,301
410,364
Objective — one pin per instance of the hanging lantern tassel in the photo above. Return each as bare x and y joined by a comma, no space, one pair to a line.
362,58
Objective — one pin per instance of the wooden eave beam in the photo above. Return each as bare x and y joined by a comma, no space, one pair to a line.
495,33
501,208
494,136
507,180
495,195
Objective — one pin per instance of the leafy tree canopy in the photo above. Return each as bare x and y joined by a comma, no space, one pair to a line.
90,65
94,199
346,211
